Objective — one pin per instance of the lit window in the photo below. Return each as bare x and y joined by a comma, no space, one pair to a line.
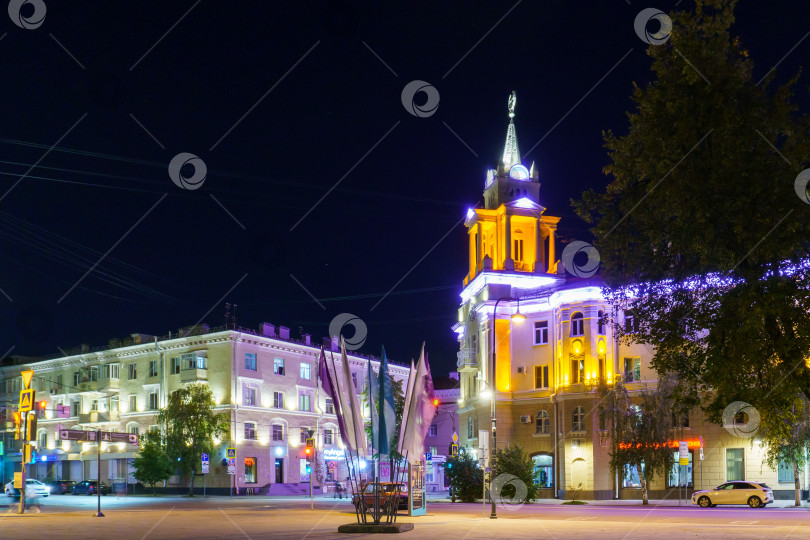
278,366
250,470
577,325
632,369
250,361
542,422
541,332
306,371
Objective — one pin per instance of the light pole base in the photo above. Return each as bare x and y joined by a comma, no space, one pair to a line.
99,515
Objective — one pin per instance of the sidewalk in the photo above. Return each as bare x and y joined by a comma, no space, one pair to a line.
631,502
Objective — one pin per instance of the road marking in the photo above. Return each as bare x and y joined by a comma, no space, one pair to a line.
234,523
743,522
158,523
582,518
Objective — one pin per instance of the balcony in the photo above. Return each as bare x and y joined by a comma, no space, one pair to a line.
193,375
467,358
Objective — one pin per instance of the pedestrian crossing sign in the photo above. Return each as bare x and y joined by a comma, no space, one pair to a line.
26,400
231,453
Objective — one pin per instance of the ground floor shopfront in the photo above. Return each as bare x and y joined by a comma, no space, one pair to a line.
571,454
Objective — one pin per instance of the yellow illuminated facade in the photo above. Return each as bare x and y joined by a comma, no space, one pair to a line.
548,366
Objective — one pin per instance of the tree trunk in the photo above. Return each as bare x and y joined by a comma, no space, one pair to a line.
798,500
191,483
643,482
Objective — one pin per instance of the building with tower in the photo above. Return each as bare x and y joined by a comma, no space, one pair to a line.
534,338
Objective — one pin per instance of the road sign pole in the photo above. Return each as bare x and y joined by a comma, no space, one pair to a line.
22,484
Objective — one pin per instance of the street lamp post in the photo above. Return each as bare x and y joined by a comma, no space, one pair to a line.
517,317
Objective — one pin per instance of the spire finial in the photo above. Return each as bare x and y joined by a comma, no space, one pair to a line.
512,103
511,154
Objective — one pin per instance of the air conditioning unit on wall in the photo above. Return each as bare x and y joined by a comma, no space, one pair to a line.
521,370
525,419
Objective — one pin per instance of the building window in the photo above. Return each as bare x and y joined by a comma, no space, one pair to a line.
133,371
578,419
632,369
250,431
305,402
541,332
59,382
249,396
577,370
680,475
114,404
133,403
434,430
278,366
600,323
133,428
75,407
328,436
93,373
278,400
278,432
469,427
330,406
42,439
94,405
306,370
542,423
354,380
518,254
631,479
735,466
785,472
250,470
577,324
110,371
77,378
304,435
194,361
153,401
541,376
680,420
250,361
153,368
175,365
630,322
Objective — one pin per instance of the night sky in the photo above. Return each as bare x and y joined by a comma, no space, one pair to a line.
284,102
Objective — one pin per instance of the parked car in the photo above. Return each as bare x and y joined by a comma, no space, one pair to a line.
90,487
387,493
33,488
754,494
60,487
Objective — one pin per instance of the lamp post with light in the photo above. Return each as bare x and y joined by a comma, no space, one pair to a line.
518,318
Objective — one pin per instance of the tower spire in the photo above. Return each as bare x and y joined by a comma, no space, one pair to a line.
511,153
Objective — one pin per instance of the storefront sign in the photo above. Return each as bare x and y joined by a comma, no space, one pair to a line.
333,453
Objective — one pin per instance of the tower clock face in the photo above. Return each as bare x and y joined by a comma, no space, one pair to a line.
518,172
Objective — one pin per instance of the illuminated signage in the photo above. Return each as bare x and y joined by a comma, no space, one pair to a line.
332,453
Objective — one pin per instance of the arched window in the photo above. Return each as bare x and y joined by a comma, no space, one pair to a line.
577,324
542,422
133,427
600,324
578,419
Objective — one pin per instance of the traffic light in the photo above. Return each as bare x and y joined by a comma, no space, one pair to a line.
41,407
31,428
309,467
30,454
17,425
435,402
310,447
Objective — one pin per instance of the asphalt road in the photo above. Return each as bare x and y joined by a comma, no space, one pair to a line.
66,516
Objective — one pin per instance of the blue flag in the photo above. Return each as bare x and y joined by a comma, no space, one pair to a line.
387,417
372,389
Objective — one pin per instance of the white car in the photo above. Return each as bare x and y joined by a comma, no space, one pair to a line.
33,488
754,494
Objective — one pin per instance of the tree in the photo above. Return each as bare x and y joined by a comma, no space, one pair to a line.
189,425
465,477
700,231
515,461
640,429
787,439
152,464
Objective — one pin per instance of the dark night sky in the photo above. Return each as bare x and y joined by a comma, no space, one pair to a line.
302,138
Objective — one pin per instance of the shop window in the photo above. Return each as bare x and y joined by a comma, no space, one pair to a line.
735,466
250,470
543,470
